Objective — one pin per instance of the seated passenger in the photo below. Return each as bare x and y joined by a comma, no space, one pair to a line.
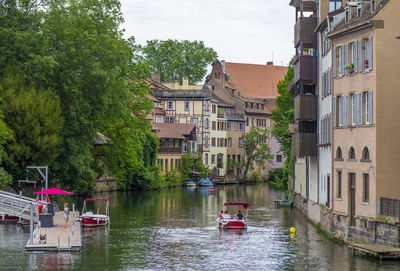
239,215
226,215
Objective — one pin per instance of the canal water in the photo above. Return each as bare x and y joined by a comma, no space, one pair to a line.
175,229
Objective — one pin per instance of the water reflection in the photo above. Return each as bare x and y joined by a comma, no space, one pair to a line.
176,230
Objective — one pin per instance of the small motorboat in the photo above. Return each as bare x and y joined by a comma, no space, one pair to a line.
283,203
4,218
190,184
89,219
225,221
205,183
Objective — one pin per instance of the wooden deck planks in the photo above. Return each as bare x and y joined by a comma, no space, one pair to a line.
57,236
379,251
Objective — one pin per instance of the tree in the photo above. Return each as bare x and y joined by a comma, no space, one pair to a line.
256,148
282,116
187,166
6,136
34,116
174,59
202,169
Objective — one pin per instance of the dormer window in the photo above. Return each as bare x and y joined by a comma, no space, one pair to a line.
359,11
373,5
347,15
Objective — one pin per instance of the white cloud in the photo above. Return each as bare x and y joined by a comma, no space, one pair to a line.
240,31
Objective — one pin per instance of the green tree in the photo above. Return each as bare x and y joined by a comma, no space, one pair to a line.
202,169
187,166
6,136
35,118
282,116
256,148
174,59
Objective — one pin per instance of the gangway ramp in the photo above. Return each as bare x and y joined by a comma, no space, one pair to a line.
17,205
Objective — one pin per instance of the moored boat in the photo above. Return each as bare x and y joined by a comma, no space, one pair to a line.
190,184
225,221
283,203
89,219
4,218
205,183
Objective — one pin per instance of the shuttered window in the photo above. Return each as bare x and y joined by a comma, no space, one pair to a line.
334,63
341,111
346,57
359,56
368,107
346,110
365,187
334,111
353,109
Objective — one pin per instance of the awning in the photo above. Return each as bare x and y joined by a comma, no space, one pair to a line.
53,191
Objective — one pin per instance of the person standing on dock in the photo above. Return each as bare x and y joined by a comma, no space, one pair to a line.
66,215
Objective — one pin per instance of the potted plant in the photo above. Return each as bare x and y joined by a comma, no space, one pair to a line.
350,68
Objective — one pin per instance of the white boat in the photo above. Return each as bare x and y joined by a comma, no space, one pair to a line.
89,219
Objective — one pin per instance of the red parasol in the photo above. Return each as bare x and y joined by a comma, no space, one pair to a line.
53,191
245,205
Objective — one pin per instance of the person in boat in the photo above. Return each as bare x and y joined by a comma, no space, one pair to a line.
66,215
226,215
220,213
239,215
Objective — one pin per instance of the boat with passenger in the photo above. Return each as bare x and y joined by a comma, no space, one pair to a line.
90,219
239,221
205,183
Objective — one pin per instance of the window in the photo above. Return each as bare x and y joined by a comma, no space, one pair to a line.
170,105
234,157
346,110
372,5
339,185
228,156
169,119
365,155
206,158
206,106
229,142
238,158
213,159
367,56
368,107
235,125
352,153
365,187
214,125
356,109
339,154
334,111
241,126
252,121
206,123
279,158
247,122
166,164
161,162
240,142
214,108
213,143
341,110
220,160
334,5
347,15
358,10
186,106
228,126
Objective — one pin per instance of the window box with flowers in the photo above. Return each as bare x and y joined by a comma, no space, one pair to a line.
350,68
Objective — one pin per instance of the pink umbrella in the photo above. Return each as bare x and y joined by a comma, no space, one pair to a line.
53,191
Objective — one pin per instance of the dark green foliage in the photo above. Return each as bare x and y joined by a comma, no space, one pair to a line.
174,59
256,148
172,178
187,166
6,135
35,119
200,167
283,115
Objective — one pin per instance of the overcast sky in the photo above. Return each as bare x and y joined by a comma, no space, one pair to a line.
246,31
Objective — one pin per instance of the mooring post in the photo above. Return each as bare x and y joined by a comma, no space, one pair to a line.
31,226
73,218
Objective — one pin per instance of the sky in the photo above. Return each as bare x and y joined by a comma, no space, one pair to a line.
247,31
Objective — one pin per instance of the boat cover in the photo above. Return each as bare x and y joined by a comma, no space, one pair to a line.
245,205
91,199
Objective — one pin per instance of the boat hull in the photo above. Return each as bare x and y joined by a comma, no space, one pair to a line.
94,221
234,224
8,219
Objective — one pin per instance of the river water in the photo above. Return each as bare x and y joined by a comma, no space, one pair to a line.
175,229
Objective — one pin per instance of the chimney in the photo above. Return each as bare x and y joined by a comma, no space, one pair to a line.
156,77
185,81
270,63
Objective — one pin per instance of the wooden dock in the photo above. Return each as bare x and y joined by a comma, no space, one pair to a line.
378,251
58,238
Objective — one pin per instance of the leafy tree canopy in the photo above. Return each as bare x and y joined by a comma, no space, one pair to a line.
174,59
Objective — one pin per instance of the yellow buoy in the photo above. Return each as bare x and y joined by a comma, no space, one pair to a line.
292,230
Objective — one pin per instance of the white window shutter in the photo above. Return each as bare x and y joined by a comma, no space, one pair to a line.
334,111
359,108
370,107
353,109
334,62
360,56
355,56
346,57
370,53
346,110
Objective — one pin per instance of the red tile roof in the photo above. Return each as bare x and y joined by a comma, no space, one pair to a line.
173,130
158,111
255,80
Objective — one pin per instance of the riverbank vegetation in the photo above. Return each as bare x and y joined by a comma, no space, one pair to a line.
282,116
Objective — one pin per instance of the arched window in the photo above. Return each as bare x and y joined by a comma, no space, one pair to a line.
339,154
352,153
365,154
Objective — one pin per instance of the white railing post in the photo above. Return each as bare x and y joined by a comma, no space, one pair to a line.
31,226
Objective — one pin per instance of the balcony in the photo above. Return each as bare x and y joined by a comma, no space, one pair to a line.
304,144
305,107
304,31
305,69
170,150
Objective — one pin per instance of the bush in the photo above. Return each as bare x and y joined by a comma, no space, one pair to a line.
172,178
257,177
278,178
